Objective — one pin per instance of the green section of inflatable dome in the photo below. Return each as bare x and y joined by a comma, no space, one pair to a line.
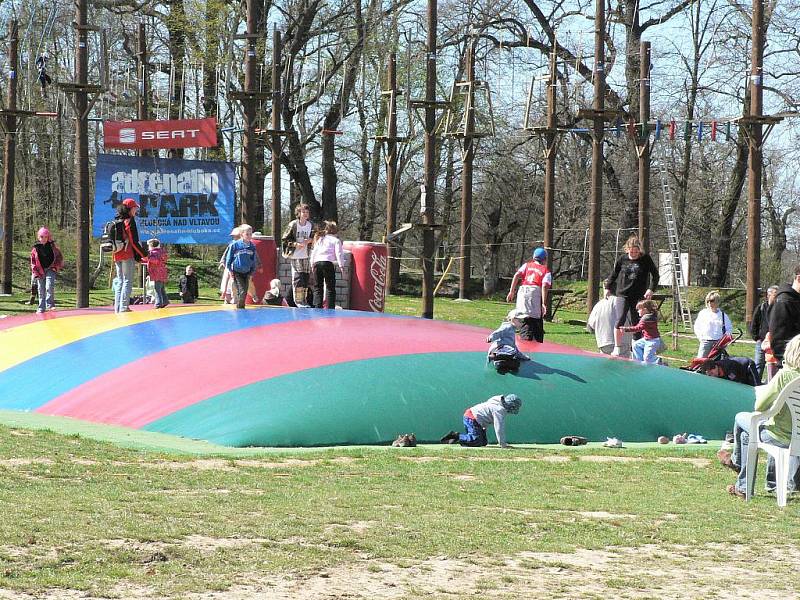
372,401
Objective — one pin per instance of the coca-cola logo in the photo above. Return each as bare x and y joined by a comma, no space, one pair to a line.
378,272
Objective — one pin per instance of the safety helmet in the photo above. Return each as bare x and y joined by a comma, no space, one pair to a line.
511,403
540,254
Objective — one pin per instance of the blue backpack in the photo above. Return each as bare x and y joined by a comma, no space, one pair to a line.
243,259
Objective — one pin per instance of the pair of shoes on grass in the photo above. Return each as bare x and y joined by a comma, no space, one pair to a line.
405,440
573,440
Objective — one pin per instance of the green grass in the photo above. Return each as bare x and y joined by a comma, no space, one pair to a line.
88,514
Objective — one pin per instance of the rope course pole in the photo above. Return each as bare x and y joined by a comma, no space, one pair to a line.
551,140
468,158
277,107
428,242
643,147
391,170
250,203
755,158
9,162
143,101
81,106
598,126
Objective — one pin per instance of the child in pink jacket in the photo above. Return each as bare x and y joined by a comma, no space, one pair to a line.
46,261
157,270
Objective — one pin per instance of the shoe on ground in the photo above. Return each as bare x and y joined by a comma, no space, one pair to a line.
573,440
451,435
613,443
616,351
734,492
725,460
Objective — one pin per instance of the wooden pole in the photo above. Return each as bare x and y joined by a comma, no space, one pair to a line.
391,172
277,107
596,201
644,147
550,140
468,158
755,163
250,212
10,151
430,164
82,153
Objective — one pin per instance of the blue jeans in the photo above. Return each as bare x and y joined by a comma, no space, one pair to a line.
705,347
475,435
161,294
759,359
122,295
46,285
741,439
645,350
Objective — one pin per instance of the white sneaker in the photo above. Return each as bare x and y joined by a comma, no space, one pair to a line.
616,351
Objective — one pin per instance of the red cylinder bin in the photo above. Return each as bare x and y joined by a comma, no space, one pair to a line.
268,253
368,275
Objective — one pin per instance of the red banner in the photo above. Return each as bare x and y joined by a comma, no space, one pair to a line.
144,135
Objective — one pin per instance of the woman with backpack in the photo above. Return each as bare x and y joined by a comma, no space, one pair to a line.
132,252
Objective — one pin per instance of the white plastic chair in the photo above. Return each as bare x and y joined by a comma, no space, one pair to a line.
789,396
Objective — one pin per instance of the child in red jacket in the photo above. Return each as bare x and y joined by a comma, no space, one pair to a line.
646,347
46,261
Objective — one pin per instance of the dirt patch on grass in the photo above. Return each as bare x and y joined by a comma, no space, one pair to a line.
700,463
651,571
665,572
24,462
609,458
208,545
359,527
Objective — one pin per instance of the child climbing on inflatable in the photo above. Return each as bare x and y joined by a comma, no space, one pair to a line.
646,347
503,352
532,296
477,418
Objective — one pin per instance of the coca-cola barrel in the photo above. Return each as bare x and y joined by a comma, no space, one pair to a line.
368,276
268,253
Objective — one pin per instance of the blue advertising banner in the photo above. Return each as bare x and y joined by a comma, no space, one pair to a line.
181,201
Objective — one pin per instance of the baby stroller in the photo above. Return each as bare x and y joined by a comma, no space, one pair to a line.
737,368
718,352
